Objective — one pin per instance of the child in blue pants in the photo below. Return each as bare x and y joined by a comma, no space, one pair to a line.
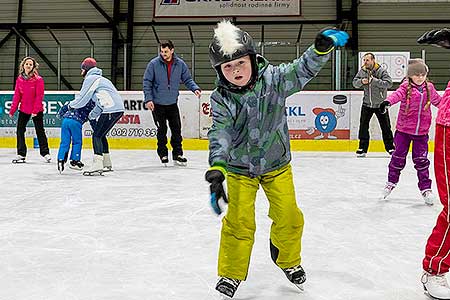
71,131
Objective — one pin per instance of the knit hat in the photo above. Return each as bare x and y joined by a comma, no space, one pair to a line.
88,63
416,67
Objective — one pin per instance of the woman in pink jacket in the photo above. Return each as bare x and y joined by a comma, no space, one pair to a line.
28,97
415,95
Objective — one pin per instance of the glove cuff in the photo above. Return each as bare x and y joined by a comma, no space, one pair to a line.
219,168
323,53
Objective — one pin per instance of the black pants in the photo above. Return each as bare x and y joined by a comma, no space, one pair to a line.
105,122
38,122
171,114
385,125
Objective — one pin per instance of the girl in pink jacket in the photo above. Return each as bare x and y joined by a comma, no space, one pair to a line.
415,95
28,96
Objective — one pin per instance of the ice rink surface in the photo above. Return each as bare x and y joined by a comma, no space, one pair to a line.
147,232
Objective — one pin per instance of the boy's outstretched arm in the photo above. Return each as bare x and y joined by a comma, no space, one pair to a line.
291,78
437,37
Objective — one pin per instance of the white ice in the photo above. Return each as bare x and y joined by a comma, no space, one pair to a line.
147,232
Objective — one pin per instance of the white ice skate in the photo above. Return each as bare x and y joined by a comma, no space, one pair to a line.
388,189
96,168
180,161
19,160
107,164
47,158
428,197
436,286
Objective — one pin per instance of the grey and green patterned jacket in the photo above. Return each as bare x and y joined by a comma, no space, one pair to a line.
249,135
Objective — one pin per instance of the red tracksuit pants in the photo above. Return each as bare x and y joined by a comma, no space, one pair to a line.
437,250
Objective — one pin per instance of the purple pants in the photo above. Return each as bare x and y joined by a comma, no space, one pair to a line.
419,156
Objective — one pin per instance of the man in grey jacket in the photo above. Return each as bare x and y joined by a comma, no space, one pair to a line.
375,81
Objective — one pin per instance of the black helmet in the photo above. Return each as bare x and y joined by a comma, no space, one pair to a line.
231,43
247,47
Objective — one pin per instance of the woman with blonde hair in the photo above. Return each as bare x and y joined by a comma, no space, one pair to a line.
28,97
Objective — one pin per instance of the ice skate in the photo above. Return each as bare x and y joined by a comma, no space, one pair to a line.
180,160
436,286
360,153
164,160
47,158
19,159
96,168
388,189
61,166
296,275
428,197
76,165
107,164
227,287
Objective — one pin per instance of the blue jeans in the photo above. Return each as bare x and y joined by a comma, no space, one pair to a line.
70,132
105,122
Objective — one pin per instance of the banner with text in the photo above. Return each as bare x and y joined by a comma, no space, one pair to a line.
223,8
137,121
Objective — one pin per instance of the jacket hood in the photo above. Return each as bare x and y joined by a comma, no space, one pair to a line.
262,63
376,66
94,71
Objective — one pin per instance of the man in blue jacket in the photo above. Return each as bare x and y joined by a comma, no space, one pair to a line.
162,79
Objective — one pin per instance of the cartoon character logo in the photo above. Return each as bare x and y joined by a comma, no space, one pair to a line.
325,122
326,119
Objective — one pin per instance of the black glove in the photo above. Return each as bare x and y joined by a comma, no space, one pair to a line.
384,106
329,38
216,178
93,123
437,37
62,111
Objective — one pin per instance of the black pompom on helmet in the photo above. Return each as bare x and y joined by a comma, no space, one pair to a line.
242,45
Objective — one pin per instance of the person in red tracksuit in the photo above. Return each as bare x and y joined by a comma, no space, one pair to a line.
436,263
437,252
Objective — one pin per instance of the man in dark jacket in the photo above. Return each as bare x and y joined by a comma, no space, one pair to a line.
162,80
375,81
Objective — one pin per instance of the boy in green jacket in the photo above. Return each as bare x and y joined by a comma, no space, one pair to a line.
249,146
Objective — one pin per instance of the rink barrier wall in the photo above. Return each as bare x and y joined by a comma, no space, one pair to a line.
201,144
318,121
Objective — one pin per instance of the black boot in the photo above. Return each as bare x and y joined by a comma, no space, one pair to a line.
61,166
76,165
180,160
227,286
296,275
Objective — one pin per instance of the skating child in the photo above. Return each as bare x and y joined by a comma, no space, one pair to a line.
71,131
415,94
437,251
249,146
